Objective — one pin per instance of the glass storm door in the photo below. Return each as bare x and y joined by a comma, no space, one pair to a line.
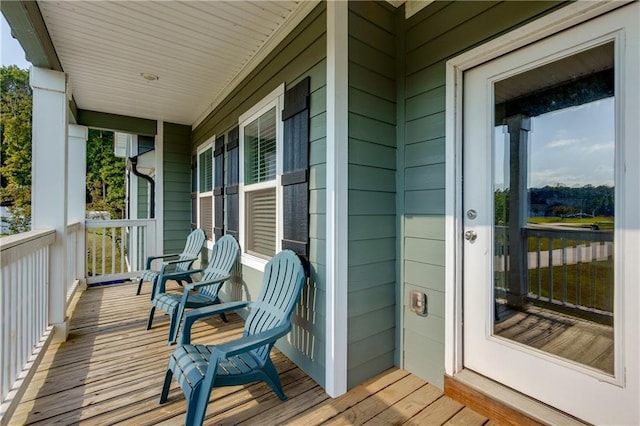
547,130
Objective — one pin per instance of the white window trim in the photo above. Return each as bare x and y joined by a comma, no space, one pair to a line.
275,98
202,148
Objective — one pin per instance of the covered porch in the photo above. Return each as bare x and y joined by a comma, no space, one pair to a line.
230,96
110,371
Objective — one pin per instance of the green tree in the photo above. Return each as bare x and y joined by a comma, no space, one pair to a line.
105,175
15,149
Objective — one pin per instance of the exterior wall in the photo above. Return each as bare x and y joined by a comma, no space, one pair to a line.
301,54
144,144
143,198
176,186
440,31
372,190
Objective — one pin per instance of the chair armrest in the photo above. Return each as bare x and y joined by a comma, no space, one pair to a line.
162,256
194,286
205,312
248,343
186,259
163,277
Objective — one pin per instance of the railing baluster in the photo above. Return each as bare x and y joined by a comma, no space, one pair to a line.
13,362
550,257
141,241
103,269
594,269
139,247
122,240
20,305
4,347
579,248
113,250
563,245
538,266
93,251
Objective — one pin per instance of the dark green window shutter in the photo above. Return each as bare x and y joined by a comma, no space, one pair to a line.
295,169
233,178
218,187
194,192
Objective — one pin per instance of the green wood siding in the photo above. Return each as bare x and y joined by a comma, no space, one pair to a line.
143,197
176,186
439,32
302,53
372,187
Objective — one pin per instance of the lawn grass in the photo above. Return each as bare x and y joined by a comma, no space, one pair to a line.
107,267
605,223
588,284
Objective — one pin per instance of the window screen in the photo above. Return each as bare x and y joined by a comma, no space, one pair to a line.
205,163
260,149
261,222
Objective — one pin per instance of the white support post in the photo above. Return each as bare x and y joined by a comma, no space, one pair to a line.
76,202
337,197
49,182
159,178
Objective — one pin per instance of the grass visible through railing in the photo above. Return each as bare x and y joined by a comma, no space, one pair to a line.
104,252
588,284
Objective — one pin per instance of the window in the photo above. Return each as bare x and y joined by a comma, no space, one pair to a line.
205,190
260,140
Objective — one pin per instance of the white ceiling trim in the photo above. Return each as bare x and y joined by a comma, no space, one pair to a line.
292,21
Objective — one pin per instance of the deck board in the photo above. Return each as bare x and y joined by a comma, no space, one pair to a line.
111,369
575,339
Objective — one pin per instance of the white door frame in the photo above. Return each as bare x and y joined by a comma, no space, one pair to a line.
555,22
629,204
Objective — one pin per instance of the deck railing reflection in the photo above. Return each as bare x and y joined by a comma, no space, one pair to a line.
567,269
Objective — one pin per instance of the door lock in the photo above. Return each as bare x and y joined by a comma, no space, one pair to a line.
470,235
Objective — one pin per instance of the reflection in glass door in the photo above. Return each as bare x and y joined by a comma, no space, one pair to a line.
553,186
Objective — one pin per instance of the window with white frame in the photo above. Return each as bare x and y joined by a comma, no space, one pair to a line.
260,158
205,190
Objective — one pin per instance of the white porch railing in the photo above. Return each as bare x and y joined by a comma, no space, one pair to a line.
24,308
117,249
111,250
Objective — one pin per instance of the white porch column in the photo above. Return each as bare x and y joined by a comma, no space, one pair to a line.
49,182
337,197
159,178
76,202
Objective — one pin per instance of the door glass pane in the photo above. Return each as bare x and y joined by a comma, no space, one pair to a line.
553,183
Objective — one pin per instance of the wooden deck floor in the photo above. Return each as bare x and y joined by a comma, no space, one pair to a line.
575,339
111,369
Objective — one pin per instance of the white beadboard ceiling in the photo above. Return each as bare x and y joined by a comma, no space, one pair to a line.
198,49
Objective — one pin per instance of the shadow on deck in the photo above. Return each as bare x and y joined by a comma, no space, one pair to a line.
110,371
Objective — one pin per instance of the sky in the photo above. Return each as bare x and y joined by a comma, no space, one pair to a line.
12,53
573,147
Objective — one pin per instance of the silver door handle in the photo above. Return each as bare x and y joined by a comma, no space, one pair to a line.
470,235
